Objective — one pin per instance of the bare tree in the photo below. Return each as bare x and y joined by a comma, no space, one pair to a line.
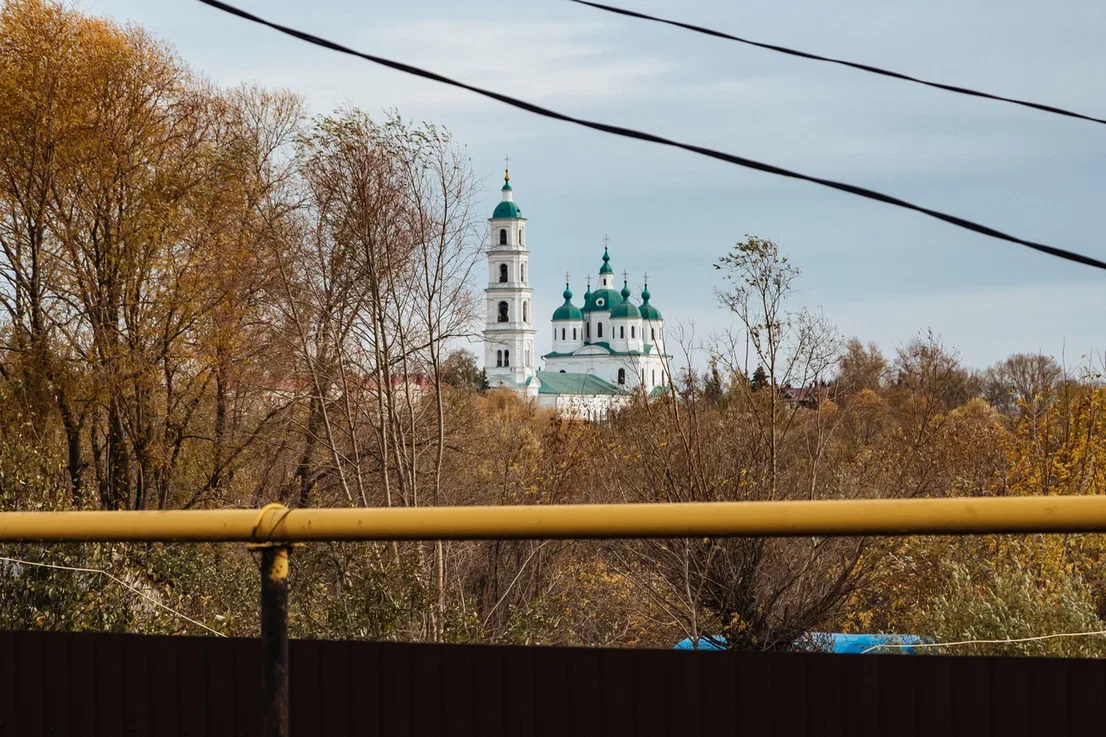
795,348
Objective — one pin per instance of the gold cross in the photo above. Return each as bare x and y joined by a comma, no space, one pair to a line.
507,168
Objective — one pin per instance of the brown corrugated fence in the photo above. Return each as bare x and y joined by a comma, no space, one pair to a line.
103,685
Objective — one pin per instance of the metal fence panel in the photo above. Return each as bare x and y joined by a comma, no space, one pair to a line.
55,684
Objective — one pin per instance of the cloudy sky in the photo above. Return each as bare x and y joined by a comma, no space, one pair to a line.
877,272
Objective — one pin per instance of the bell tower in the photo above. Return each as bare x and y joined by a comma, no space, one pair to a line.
508,333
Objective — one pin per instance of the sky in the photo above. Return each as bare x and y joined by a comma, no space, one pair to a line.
878,273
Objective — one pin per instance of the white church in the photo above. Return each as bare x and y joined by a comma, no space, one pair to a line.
602,350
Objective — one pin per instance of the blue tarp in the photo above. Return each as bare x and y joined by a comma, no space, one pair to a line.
835,642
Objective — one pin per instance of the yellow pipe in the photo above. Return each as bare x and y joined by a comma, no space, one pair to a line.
724,519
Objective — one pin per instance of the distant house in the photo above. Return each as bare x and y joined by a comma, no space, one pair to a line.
802,396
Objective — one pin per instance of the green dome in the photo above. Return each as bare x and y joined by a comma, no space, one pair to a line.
505,210
606,268
568,311
648,311
602,300
626,308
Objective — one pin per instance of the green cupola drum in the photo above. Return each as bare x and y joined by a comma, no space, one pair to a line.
648,311
567,311
626,309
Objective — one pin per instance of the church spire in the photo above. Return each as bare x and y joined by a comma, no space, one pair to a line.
507,209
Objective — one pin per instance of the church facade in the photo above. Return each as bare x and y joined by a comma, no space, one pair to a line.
602,350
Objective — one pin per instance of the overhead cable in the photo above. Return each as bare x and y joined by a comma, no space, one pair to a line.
652,138
855,65
116,579
1003,641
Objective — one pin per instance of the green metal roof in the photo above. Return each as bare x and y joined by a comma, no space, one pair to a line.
648,311
627,308
568,311
649,350
554,382
505,210
606,267
602,300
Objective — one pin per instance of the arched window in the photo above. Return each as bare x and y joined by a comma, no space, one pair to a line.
502,236
654,377
506,358
527,362
599,330
653,335
622,332
522,273
520,236
502,273
502,312
622,376
643,376
633,331
562,371
526,311
499,358
587,330
562,333
574,333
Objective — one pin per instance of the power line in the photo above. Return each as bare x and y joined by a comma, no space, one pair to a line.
652,138
117,580
1004,641
853,64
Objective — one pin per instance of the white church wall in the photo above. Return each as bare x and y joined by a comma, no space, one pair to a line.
653,332
594,407
569,343
602,365
627,334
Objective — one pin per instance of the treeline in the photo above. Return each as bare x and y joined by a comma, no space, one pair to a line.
211,299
